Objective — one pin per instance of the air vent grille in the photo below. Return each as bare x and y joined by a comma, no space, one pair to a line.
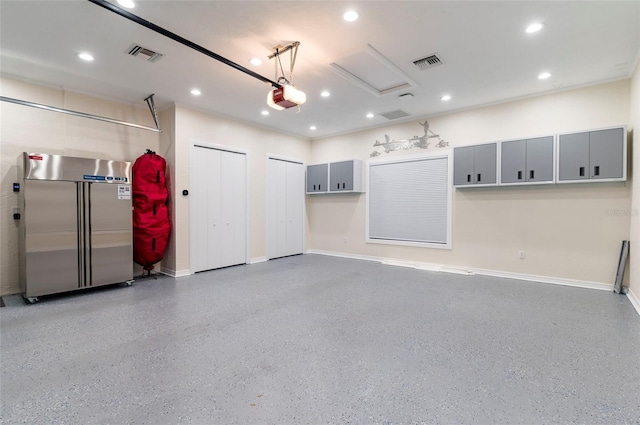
392,115
428,62
144,53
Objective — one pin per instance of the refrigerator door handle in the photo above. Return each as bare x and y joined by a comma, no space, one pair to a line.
87,225
79,232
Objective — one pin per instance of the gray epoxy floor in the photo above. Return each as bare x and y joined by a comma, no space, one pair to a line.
316,340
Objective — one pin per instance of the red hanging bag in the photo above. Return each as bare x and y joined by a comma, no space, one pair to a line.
151,225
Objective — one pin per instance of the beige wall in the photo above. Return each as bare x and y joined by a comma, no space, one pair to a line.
29,129
567,231
196,126
634,281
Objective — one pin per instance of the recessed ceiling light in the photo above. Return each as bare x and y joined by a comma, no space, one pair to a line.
85,56
265,112
255,61
325,94
313,127
544,76
350,16
129,4
535,27
369,115
445,97
196,92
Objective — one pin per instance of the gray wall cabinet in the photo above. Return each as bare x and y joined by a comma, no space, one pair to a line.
475,165
592,155
341,176
318,178
345,176
527,161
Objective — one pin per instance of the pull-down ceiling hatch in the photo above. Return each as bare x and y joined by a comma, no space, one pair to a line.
371,71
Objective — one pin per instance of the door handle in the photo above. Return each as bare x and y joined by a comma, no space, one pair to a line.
519,175
581,171
343,185
596,170
479,177
531,174
468,178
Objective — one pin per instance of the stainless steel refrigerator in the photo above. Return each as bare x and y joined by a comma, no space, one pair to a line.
76,226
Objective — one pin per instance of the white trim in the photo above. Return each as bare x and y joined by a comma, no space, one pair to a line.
472,270
344,255
635,300
174,273
256,260
545,279
410,158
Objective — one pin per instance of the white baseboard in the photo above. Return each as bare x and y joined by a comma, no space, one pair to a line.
471,270
635,300
546,279
343,255
174,273
256,260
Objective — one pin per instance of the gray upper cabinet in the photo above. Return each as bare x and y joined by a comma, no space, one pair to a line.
345,176
342,176
475,165
592,155
527,161
318,178
606,154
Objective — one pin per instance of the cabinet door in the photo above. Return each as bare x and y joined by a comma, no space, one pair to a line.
514,161
51,236
463,159
295,208
347,175
539,159
314,173
485,164
341,176
573,156
606,154
111,235
317,178
335,176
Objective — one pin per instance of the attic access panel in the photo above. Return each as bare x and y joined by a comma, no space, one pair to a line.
373,72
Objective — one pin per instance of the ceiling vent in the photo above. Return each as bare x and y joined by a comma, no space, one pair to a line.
144,53
428,62
392,115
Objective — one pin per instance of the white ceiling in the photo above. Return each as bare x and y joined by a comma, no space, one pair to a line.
488,56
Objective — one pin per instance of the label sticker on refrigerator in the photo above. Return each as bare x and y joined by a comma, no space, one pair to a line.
124,191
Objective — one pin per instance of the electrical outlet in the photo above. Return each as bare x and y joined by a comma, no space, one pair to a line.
521,255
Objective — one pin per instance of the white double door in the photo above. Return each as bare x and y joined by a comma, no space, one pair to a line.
218,208
286,190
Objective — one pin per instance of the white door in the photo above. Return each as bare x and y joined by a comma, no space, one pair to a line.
218,208
286,208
